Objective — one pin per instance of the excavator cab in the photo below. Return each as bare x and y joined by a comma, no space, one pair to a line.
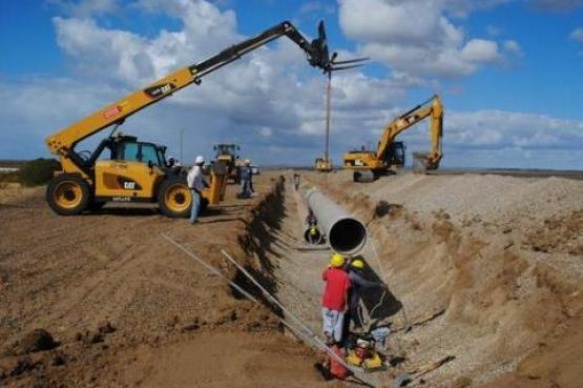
395,156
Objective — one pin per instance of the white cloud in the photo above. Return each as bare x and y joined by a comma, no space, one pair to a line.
291,129
420,44
265,131
390,21
480,51
107,54
512,47
270,102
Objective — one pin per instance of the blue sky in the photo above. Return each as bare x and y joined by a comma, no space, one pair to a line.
509,73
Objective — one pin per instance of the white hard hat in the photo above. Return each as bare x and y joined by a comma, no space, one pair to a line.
247,161
199,159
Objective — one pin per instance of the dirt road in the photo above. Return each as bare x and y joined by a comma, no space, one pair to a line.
487,268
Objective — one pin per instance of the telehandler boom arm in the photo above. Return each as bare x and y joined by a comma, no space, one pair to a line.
62,143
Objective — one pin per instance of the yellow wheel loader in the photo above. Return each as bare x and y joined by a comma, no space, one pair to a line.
323,164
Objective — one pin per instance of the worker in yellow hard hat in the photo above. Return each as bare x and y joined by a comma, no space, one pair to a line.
336,260
359,284
334,299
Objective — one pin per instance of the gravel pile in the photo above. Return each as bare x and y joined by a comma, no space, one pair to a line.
489,198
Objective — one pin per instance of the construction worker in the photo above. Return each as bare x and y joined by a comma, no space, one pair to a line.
296,181
334,300
196,184
246,180
358,284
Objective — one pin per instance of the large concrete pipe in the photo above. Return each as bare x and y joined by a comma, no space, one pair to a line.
344,233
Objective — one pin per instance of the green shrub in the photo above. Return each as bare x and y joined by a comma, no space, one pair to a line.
9,177
38,172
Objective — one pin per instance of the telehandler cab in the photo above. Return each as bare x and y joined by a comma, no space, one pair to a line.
123,169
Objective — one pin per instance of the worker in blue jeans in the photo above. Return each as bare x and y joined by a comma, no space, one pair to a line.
196,184
246,185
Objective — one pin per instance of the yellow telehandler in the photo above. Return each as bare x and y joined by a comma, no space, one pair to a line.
123,169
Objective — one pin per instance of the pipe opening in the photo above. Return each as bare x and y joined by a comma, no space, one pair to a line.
347,236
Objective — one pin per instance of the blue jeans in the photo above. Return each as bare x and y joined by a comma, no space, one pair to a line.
195,205
246,188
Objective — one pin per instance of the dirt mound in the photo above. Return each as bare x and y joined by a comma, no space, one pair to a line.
116,296
487,268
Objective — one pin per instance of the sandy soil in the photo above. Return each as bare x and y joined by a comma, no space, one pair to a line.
487,269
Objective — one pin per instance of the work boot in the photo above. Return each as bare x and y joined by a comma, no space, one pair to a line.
329,340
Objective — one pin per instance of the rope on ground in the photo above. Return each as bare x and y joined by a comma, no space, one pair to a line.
293,329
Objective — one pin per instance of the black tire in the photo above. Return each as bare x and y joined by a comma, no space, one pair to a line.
174,198
68,194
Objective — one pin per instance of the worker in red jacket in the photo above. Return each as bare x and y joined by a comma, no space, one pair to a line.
334,300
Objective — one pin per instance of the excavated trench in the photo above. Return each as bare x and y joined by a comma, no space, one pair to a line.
465,293
491,281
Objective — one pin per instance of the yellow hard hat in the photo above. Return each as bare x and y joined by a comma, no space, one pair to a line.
357,264
337,260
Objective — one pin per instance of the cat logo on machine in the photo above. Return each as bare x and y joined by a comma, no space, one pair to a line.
159,90
128,184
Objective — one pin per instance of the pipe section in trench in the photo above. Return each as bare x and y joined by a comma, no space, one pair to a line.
344,233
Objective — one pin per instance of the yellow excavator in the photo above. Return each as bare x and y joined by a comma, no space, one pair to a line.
368,165
123,169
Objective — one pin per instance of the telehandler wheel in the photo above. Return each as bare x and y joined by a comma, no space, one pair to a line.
174,198
68,194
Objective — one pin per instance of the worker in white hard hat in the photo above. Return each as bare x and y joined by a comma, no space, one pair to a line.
246,185
196,184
